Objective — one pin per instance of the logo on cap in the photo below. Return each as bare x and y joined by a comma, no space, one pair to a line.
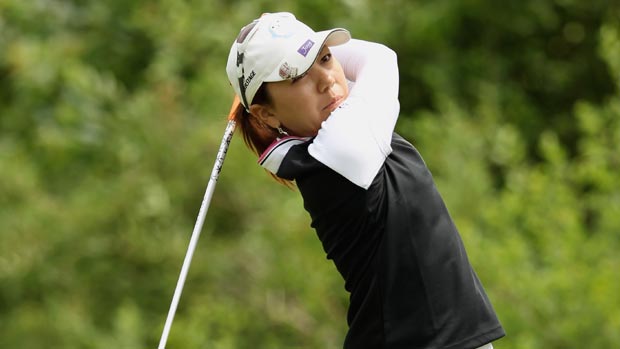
249,79
305,48
281,29
286,71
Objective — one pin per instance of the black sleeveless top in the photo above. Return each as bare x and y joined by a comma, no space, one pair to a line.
399,252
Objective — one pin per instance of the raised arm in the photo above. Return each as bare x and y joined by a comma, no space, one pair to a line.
355,140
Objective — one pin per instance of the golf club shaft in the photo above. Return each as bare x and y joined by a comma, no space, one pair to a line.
204,207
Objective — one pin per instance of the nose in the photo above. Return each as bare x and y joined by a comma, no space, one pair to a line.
325,78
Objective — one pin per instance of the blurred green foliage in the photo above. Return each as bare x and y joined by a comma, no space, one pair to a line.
111,113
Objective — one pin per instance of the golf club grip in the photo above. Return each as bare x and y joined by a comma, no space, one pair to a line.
204,207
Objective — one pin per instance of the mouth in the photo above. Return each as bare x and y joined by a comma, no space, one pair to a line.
333,104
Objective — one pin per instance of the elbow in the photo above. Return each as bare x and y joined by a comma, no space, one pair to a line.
387,56
384,51
391,57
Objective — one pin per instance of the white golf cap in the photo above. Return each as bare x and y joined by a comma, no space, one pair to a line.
275,47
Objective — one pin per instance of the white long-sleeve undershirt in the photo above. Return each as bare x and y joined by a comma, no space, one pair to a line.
355,140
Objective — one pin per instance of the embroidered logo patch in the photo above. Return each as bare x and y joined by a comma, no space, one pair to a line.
305,48
286,71
281,30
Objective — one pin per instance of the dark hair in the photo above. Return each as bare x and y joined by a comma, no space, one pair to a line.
257,135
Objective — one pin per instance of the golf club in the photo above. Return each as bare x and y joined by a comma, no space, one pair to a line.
204,207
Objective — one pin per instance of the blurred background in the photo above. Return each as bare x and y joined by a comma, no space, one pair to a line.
111,113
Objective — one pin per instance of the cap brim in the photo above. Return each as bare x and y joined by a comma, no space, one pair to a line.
333,37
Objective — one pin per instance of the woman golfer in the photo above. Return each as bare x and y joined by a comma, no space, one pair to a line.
319,108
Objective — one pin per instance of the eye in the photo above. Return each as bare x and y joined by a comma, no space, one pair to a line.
326,58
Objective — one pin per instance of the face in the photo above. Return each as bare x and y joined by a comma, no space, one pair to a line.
300,105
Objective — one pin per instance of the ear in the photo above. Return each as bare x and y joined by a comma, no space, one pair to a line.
265,114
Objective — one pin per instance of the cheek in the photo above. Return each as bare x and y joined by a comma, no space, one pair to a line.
300,99
284,100
345,86
339,72
291,105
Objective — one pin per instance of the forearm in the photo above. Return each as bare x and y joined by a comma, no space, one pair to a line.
372,66
355,140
